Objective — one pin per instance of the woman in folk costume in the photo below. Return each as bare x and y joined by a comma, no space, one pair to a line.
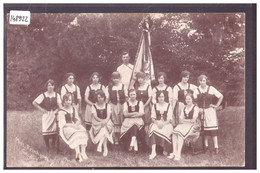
161,129
179,91
72,88
204,95
144,93
90,97
188,128
133,122
161,77
71,130
117,93
102,126
48,103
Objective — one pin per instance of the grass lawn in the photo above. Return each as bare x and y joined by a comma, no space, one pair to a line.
25,146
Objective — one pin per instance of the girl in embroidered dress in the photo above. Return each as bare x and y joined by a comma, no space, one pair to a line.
204,95
71,130
90,97
70,87
188,129
161,129
117,93
179,91
102,126
133,122
161,77
48,102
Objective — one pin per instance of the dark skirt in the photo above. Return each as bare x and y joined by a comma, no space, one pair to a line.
211,132
133,131
155,139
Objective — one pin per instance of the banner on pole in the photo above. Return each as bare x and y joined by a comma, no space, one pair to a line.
143,59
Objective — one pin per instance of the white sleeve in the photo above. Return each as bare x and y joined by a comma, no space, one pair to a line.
195,93
154,96
58,99
181,116
193,87
104,89
39,99
175,92
62,92
215,92
150,91
118,69
141,107
87,93
61,119
125,107
169,89
109,111
107,92
93,110
153,113
78,93
77,114
169,114
195,113
125,90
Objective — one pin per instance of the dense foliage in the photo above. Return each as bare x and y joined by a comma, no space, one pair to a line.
54,44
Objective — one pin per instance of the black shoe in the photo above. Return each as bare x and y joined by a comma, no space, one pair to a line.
216,150
206,149
196,152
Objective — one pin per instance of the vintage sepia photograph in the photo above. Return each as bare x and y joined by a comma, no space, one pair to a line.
125,88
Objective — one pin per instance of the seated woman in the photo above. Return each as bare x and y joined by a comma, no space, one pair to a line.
188,129
102,127
133,122
161,128
71,130
90,97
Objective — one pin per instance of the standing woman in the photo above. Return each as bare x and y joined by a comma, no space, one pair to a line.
133,122
161,128
90,97
48,102
144,93
188,129
102,126
71,130
179,91
161,77
204,95
117,95
73,89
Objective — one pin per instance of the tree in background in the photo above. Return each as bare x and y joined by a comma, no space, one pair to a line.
54,44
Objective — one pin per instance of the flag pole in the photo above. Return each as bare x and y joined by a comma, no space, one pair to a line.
143,58
132,80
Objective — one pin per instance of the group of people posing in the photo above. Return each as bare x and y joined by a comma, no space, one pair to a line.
156,117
